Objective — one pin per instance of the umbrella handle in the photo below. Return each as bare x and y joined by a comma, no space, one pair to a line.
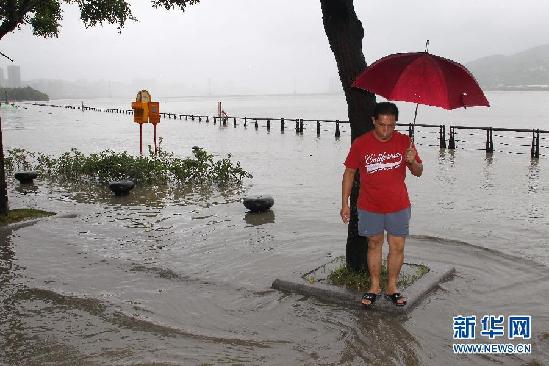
414,123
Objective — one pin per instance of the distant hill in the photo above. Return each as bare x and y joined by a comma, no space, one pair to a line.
22,94
527,70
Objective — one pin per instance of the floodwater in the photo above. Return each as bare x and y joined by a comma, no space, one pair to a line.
182,276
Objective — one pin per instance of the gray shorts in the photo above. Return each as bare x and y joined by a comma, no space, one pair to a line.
395,223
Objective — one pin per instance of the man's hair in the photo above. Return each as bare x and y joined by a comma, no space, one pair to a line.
386,108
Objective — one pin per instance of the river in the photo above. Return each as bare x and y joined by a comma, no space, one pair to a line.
183,276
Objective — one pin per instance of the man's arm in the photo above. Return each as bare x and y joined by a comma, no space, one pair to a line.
415,167
346,187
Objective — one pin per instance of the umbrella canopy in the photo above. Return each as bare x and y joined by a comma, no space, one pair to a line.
422,78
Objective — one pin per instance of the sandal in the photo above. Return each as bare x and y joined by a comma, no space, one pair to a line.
371,297
397,299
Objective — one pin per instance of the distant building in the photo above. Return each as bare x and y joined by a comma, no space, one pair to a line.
14,76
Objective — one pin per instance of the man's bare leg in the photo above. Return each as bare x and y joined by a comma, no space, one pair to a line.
375,245
395,259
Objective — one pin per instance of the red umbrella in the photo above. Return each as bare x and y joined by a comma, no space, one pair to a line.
422,78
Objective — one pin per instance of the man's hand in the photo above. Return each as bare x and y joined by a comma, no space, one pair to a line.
411,155
345,214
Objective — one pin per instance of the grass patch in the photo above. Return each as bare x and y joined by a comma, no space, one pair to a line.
20,214
360,281
108,165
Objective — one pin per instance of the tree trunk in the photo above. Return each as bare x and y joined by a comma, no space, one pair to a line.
3,186
345,34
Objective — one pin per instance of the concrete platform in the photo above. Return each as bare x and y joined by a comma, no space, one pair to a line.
314,283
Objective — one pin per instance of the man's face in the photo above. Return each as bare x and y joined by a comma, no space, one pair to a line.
384,126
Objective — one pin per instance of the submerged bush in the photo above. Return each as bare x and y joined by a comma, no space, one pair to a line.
109,165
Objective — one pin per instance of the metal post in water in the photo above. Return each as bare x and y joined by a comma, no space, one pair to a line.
318,128
489,141
256,125
234,121
337,133
442,136
451,141
268,125
301,126
411,131
282,125
141,139
155,147
537,143
532,148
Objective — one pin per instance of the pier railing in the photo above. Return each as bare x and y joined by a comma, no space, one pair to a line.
457,135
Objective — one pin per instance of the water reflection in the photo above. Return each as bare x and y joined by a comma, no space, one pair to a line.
157,196
446,156
383,340
488,183
259,218
27,189
533,176
11,323
489,158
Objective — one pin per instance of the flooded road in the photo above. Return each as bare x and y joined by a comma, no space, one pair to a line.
182,276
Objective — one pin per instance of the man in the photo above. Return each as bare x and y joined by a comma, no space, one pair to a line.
382,156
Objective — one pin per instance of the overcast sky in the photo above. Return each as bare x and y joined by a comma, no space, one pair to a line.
242,46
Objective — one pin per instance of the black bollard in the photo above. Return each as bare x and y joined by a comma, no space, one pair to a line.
337,133
301,126
26,177
121,188
234,121
318,128
256,125
296,126
192,117
199,119
258,203
245,122
282,125
207,119
268,125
